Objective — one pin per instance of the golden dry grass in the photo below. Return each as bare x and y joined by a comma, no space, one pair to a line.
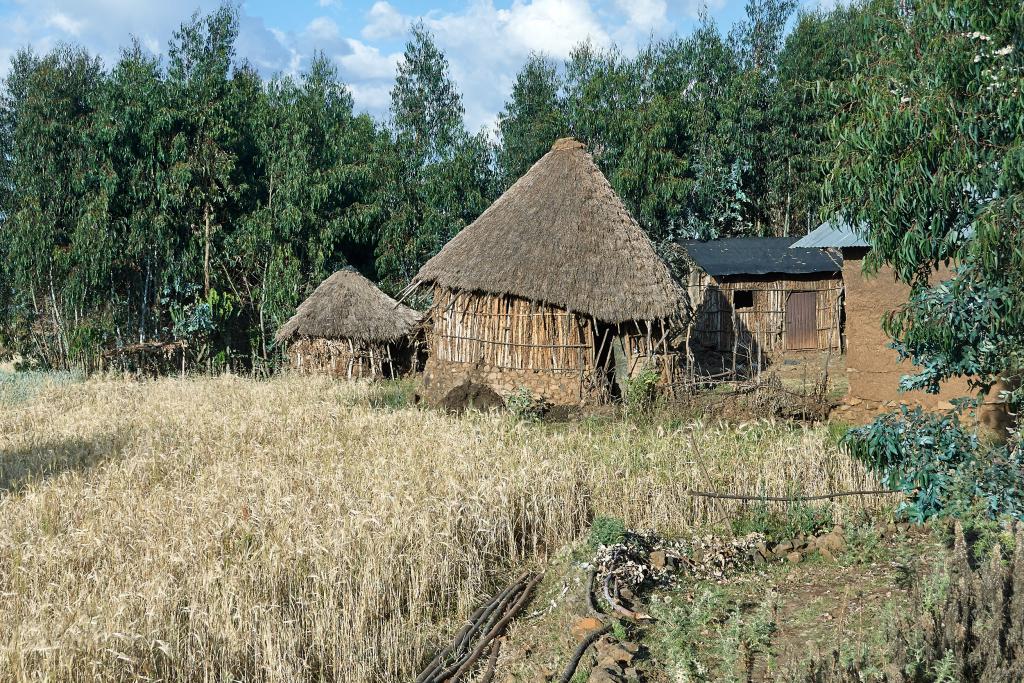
222,529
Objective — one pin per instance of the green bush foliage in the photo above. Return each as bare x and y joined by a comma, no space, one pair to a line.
710,637
642,392
606,531
943,468
523,405
928,136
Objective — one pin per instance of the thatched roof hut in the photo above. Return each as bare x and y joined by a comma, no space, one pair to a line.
561,235
554,288
348,327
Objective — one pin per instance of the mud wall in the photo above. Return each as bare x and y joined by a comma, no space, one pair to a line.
873,369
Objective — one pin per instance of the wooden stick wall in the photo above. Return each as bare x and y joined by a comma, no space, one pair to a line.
765,322
342,358
509,332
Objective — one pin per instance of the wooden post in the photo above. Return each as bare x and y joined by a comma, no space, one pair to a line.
735,339
621,355
351,358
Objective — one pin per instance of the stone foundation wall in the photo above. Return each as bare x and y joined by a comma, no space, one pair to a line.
563,388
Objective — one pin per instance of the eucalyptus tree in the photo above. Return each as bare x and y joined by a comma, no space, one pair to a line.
757,41
201,158
930,157
133,133
314,190
601,91
719,192
672,172
54,232
661,126
685,130
532,119
13,94
816,60
434,177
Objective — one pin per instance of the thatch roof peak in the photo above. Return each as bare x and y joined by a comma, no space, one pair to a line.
348,306
560,235
567,144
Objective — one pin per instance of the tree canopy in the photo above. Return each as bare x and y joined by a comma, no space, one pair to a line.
930,156
187,199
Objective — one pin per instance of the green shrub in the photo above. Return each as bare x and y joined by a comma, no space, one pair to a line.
522,404
606,531
943,468
642,392
711,638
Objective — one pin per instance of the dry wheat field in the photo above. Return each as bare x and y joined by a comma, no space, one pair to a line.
303,529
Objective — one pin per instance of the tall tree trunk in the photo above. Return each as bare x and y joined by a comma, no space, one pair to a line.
145,298
266,271
206,255
263,323
789,192
63,344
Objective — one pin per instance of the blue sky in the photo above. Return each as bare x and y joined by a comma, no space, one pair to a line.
486,40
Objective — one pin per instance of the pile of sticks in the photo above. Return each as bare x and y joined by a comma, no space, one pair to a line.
481,634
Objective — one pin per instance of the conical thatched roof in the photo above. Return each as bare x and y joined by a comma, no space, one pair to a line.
560,235
348,306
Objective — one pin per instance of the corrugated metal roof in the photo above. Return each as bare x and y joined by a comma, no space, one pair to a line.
757,256
834,234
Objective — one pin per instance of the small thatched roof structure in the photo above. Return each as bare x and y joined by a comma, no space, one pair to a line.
560,235
348,306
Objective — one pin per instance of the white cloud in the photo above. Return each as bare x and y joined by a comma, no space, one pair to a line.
102,26
6,54
551,26
384,21
323,29
486,46
265,48
373,98
645,14
367,62
65,23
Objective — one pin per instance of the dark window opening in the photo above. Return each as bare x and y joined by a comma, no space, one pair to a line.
743,298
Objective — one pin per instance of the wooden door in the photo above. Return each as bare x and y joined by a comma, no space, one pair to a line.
802,320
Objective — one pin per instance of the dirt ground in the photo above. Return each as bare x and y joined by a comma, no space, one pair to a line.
803,610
